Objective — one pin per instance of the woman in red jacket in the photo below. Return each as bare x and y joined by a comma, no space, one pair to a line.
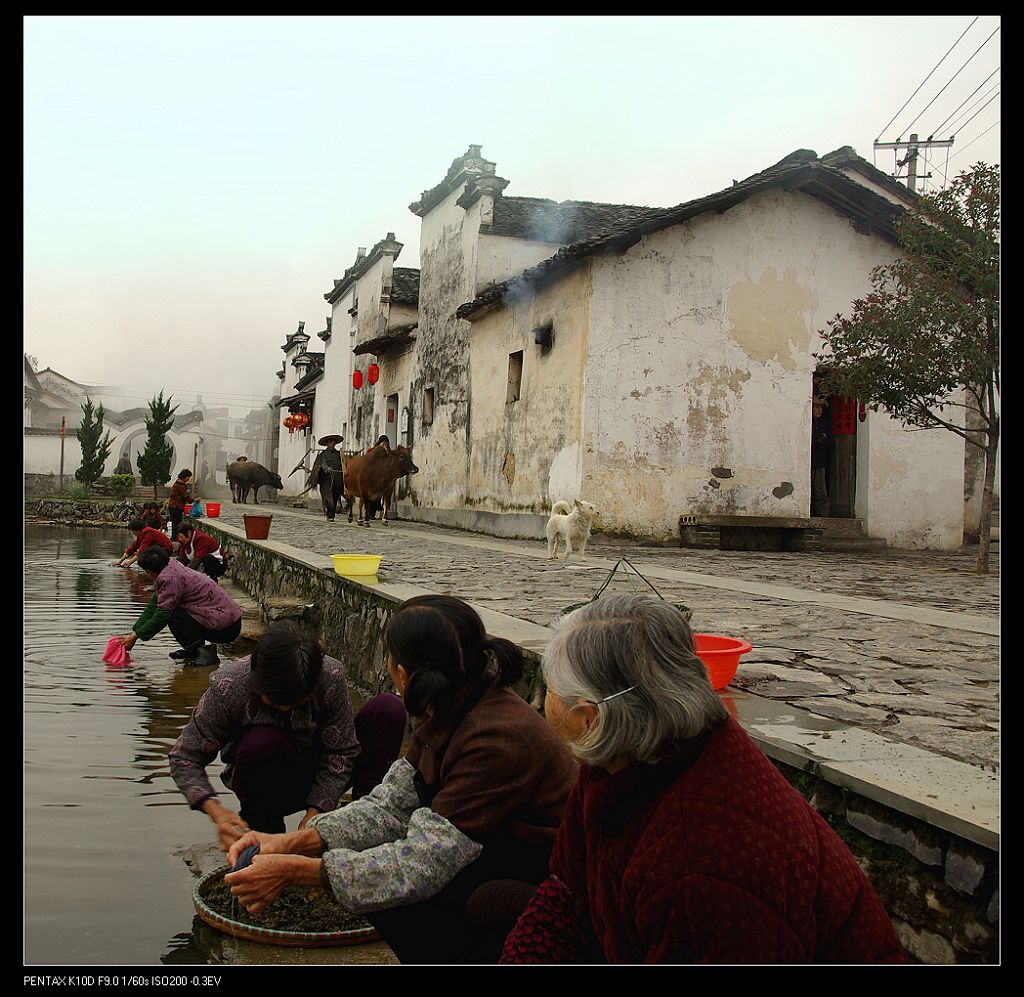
681,842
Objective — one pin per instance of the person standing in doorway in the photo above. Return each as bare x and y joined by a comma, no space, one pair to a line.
821,445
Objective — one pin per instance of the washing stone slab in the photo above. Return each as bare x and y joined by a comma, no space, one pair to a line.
960,798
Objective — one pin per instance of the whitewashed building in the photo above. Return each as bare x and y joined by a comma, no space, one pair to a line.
666,369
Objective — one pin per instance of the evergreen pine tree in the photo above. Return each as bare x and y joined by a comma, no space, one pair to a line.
155,461
95,451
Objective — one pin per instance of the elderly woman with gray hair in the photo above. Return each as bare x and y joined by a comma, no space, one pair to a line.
681,841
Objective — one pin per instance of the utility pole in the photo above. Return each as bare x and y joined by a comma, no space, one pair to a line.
912,146
62,432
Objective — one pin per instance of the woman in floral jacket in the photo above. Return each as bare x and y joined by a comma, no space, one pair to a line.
477,798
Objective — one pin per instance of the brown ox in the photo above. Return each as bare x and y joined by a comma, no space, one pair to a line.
371,477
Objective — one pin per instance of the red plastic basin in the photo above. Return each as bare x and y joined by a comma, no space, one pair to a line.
721,656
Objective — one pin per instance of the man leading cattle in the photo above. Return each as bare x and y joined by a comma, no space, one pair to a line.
328,476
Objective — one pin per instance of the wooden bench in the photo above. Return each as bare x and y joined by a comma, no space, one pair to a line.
715,532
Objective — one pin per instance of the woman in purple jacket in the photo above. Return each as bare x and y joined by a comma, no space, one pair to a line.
192,605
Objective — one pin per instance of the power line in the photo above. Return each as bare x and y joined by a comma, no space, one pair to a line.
980,85
956,123
926,79
955,75
980,109
973,140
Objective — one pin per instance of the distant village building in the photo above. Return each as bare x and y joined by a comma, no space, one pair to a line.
51,396
657,362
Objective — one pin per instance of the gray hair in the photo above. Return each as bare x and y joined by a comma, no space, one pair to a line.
632,640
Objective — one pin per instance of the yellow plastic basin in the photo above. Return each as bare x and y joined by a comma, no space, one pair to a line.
356,565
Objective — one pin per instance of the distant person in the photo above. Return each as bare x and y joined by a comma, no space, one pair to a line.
821,446
179,497
204,476
681,841
145,537
152,516
199,551
282,721
191,605
327,475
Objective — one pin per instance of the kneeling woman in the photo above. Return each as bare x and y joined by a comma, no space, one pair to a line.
477,798
681,841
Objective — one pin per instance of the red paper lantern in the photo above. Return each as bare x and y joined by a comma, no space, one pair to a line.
373,373
300,419
357,379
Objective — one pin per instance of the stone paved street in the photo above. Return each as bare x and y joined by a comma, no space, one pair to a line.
904,644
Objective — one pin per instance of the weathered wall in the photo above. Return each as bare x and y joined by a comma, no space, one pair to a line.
526,454
700,361
331,412
910,483
292,446
448,262
499,257
41,454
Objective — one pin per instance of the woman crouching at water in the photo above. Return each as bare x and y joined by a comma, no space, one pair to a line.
681,841
477,798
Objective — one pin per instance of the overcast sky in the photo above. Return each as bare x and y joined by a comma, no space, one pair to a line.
194,184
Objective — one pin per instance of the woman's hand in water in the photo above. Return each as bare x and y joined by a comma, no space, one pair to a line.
127,641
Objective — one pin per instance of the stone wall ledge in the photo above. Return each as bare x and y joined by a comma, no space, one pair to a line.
959,798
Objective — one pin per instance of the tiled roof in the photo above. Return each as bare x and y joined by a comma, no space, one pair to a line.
847,156
801,170
405,286
543,220
399,336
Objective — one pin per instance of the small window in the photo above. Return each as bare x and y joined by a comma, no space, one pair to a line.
428,406
515,377
359,424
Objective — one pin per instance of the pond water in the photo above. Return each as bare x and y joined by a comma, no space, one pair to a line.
102,817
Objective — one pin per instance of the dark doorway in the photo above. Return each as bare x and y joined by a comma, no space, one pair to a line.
841,471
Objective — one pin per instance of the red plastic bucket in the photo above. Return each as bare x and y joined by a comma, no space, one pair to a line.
256,527
213,509
721,656
188,508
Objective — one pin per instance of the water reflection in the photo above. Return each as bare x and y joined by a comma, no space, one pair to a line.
102,815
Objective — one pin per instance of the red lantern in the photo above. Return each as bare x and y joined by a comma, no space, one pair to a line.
289,424
300,419
863,413
357,379
373,373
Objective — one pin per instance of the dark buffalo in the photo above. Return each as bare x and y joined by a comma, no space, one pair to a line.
371,477
244,475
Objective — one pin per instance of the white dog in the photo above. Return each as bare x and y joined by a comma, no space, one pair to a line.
570,523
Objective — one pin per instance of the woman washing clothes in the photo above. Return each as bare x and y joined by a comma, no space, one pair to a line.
477,798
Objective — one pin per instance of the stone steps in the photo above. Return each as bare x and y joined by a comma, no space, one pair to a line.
846,535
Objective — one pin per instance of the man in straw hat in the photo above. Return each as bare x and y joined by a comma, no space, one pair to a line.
327,474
